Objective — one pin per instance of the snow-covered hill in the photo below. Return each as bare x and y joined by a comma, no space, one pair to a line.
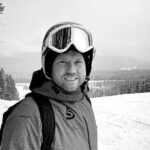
23,89
4,104
123,121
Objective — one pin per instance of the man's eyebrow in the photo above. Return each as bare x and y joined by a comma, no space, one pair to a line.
79,59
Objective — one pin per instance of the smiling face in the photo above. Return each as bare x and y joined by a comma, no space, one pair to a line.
69,71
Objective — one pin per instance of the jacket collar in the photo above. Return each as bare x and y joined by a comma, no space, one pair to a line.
41,85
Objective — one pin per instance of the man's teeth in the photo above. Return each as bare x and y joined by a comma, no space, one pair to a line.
70,78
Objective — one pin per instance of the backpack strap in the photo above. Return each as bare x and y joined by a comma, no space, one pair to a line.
87,97
47,119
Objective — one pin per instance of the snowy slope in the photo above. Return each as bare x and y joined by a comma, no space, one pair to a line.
4,106
22,90
123,121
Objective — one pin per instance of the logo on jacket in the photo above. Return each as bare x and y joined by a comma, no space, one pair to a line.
69,113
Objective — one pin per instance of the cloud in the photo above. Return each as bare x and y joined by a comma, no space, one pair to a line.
11,47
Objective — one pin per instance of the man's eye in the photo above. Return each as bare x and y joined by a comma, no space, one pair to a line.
79,62
62,62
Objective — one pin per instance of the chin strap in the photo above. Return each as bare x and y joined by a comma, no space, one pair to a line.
55,87
84,86
85,89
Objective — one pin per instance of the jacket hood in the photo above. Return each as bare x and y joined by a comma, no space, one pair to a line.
41,85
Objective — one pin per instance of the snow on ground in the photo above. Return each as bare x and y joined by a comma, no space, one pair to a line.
123,121
4,104
22,89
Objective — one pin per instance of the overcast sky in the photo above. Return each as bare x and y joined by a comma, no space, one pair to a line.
119,27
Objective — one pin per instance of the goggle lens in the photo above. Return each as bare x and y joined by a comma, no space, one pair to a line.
62,39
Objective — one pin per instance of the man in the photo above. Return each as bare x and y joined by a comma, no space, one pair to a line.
67,54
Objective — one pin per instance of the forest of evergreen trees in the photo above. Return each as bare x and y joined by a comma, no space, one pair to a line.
117,87
8,89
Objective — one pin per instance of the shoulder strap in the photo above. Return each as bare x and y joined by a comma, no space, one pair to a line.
47,118
87,97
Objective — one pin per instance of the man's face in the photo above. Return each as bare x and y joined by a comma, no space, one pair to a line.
68,70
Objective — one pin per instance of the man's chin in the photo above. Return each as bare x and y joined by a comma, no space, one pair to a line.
71,88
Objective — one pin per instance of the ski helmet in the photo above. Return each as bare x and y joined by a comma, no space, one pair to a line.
63,37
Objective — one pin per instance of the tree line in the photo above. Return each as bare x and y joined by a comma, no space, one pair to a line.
8,89
117,87
1,8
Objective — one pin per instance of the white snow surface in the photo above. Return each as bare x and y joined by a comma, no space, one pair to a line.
123,121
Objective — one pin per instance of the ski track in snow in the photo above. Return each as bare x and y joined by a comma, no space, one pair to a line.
123,121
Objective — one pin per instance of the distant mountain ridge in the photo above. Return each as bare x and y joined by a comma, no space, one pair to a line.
115,63
121,75
22,65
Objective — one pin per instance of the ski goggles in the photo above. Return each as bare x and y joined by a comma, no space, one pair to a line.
61,38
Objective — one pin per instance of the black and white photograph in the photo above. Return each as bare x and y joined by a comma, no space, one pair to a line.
74,75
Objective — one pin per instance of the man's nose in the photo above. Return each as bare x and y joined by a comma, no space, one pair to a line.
71,68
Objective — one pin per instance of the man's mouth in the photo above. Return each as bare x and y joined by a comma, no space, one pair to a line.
70,78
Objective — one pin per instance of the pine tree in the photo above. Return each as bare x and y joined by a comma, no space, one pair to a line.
141,86
8,89
1,8
148,84
2,78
